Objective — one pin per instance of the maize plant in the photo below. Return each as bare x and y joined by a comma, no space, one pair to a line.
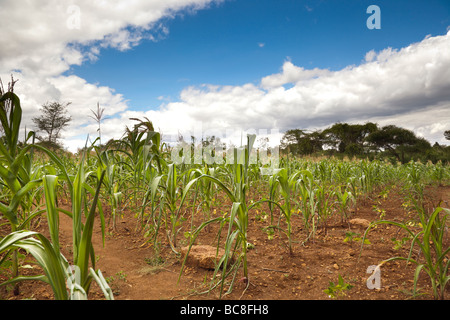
113,180
308,203
236,240
344,198
430,241
324,195
286,186
57,271
19,183
15,173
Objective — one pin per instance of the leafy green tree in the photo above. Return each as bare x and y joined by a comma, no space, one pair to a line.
348,138
301,142
364,140
397,141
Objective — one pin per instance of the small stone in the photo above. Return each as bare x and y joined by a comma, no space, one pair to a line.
203,256
360,222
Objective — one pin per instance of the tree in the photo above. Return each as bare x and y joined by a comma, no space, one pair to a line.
300,142
53,120
368,139
291,140
397,141
348,138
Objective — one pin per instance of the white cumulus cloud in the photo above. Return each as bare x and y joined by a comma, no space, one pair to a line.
41,40
409,86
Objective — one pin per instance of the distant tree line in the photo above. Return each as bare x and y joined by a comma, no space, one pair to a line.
367,140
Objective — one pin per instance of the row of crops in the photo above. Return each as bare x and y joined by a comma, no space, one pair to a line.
135,175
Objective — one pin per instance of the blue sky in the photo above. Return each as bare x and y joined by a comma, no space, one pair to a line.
231,64
241,41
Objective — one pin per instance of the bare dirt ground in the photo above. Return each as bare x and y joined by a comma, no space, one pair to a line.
134,272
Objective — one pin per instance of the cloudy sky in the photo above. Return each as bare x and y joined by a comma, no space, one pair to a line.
225,67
